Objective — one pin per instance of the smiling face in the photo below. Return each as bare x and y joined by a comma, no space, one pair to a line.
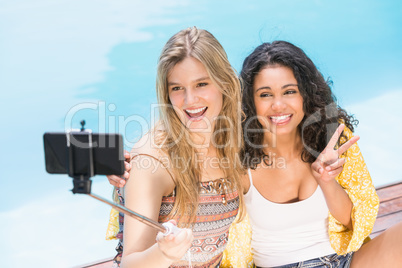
195,98
278,101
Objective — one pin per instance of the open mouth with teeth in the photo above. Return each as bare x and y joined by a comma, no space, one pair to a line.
196,113
280,119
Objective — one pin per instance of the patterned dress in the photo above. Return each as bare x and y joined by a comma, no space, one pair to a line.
217,208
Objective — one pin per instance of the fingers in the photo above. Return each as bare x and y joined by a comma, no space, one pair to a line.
347,145
335,137
116,180
324,173
185,236
317,167
127,167
127,156
181,237
338,163
175,246
113,180
335,172
127,164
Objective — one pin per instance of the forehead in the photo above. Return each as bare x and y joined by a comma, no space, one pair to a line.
275,74
189,69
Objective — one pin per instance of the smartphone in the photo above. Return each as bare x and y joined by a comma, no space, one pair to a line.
73,152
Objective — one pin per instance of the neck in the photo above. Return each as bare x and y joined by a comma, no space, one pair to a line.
204,146
288,146
201,140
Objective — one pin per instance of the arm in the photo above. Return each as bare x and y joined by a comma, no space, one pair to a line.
325,170
143,193
355,180
338,202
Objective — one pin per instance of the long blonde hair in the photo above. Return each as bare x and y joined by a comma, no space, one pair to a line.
174,139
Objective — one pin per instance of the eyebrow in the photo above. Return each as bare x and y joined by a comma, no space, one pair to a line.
195,81
283,87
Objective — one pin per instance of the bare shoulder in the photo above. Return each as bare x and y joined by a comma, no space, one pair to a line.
150,163
147,146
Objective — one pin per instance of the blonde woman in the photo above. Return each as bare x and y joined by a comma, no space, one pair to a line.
187,168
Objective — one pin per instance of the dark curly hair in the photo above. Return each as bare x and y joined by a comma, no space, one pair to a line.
321,113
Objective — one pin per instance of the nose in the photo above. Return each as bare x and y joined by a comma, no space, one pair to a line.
191,96
278,104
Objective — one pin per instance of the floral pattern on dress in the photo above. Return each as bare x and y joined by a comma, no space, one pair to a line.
356,181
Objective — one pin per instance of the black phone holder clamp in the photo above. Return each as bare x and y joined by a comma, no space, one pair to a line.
81,181
80,146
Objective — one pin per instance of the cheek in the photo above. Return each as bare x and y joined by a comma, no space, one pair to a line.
215,99
260,107
176,106
301,106
260,111
174,99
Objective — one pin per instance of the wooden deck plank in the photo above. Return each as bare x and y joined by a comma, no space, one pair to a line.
390,211
385,222
389,192
390,206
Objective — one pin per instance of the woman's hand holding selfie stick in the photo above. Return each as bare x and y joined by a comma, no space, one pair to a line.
120,181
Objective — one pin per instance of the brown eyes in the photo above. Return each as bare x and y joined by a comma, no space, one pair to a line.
202,84
287,92
179,88
264,95
175,88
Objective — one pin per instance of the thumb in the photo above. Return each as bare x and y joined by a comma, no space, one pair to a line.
316,167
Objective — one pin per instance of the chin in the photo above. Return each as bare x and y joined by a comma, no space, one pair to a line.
197,126
283,131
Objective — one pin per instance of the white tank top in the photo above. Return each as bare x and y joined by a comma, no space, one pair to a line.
287,233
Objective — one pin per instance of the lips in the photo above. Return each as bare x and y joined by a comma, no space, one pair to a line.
280,119
196,113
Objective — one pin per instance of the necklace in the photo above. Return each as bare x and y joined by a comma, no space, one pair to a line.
217,186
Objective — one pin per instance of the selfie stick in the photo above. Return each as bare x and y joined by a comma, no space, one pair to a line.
82,185
166,228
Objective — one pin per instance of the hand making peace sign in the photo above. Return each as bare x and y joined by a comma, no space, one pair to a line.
328,165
